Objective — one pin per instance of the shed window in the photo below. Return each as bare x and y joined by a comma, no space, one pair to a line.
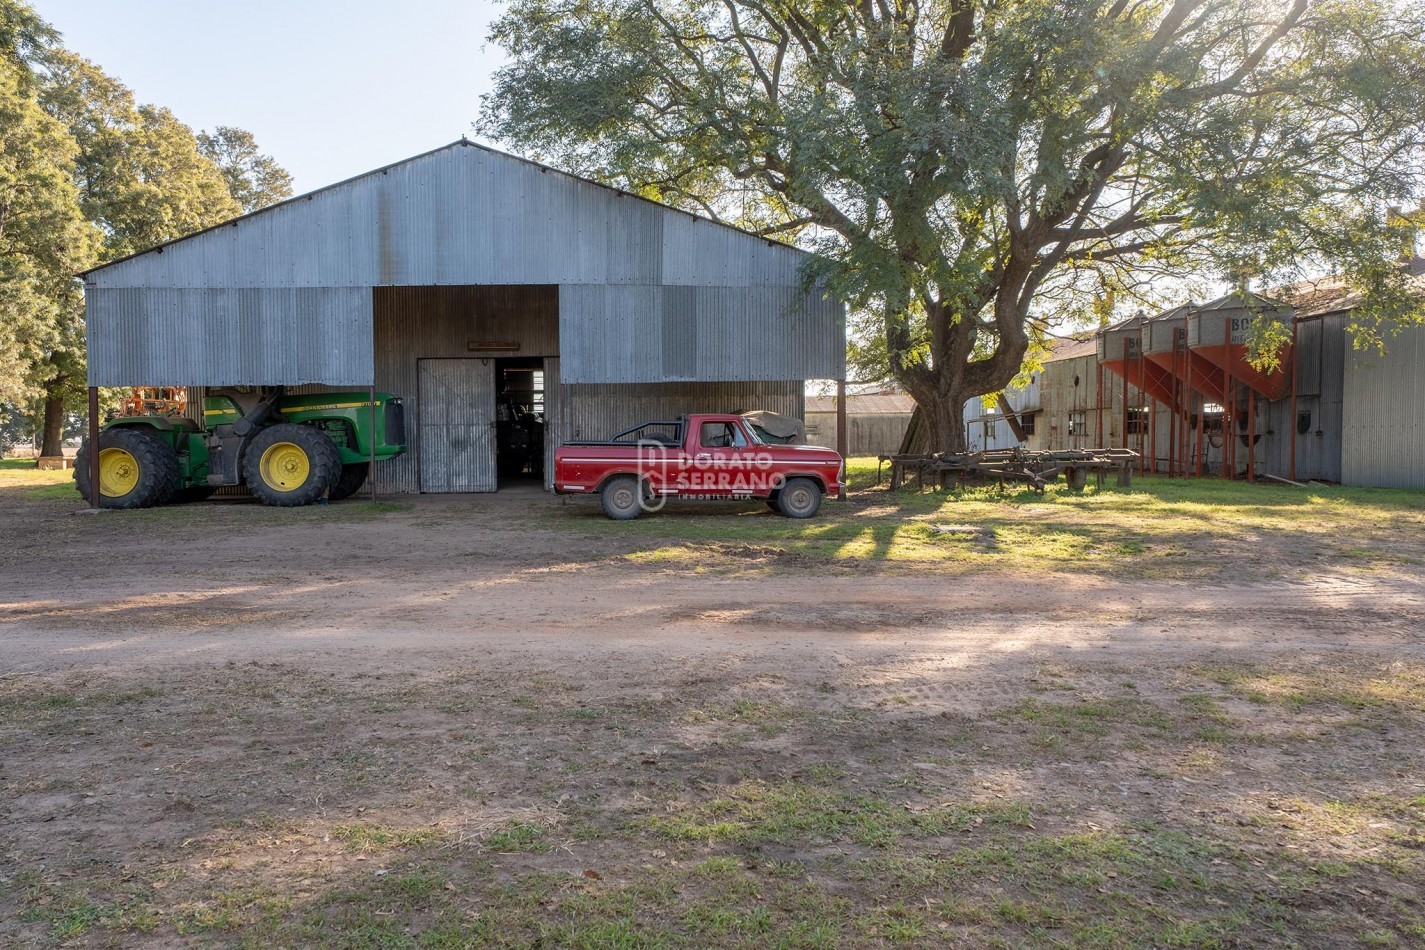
1137,421
1026,422
1078,424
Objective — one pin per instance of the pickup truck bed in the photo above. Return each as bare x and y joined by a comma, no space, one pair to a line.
703,456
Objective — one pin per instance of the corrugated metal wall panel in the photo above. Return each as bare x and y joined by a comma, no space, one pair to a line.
229,336
870,434
455,407
1383,431
553,413
617,334
597,411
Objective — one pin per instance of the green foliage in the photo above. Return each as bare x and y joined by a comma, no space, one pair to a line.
43,238
95,175
254,180
974,172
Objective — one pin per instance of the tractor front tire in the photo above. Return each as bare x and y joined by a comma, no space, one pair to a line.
137,469
350,482
289,465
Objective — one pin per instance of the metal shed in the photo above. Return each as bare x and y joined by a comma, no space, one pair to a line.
423,277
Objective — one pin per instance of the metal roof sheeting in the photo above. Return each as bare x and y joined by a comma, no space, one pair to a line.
466,215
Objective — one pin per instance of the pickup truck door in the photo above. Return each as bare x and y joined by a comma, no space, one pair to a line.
721,461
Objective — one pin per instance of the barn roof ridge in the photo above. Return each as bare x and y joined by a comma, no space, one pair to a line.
462,142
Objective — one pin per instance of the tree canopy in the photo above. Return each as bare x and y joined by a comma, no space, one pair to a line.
88,174
974,172
44,239
254,179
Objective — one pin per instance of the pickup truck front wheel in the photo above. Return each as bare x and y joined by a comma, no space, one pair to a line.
622,498
799,498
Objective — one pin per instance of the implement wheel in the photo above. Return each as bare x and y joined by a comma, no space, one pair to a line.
350,481
137,469
288,465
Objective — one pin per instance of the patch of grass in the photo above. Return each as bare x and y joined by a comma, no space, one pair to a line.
518,836
751,812
1159,528
1087,718
365,836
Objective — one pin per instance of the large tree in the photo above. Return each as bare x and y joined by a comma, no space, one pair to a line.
141,180
254,179
44,240
972,170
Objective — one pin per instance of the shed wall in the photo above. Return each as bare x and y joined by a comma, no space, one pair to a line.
868,434
621,334
1383,430
597,411
229,336
650,293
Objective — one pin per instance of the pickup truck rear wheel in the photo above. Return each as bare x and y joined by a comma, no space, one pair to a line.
622,498
799,498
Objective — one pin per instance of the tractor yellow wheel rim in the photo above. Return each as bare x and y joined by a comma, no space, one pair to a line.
118,473
285,466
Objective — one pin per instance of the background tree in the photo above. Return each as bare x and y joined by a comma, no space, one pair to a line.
141,180
254,179
973,171
44,240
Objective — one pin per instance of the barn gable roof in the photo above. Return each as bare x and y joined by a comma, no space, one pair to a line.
457,145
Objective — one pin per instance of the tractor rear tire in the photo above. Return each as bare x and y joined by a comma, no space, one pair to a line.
350,482
288,465
137,469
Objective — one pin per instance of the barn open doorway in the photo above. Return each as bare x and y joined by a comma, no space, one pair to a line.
520,420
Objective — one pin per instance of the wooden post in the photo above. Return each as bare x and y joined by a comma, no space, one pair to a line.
1125,392
95,500
1226,391
1173,413
1098,432
843,437
1295,368
1252,437
371,465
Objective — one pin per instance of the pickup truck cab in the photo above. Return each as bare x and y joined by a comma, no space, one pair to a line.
703,456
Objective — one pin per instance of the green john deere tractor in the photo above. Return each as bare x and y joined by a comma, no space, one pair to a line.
287,450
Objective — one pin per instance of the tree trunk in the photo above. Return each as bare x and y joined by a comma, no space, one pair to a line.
935,426
52,442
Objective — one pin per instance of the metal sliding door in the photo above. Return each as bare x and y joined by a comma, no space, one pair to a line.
457,423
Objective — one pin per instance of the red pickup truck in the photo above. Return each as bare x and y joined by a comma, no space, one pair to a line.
697,456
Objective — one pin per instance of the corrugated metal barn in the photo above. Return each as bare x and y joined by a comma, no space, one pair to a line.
443,277
1335,414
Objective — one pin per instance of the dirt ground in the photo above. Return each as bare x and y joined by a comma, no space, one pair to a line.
451,721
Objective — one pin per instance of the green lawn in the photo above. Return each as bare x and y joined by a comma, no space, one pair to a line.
1191,529
1161,527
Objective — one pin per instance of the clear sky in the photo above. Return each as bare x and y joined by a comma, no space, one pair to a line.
331,88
